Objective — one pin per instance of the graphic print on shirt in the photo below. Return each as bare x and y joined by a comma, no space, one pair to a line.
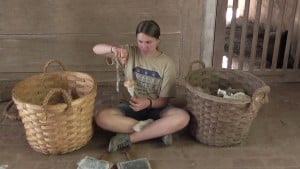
148,81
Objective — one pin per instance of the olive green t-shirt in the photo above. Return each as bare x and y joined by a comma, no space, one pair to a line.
155,76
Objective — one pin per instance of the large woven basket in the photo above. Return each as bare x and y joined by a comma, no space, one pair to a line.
222,121
56,109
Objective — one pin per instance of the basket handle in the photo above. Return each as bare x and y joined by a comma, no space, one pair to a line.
259,97
67,97
45,69
202,65
9,115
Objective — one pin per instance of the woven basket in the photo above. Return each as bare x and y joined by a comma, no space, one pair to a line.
56,109
222,121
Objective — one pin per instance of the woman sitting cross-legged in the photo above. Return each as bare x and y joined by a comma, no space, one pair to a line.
153,78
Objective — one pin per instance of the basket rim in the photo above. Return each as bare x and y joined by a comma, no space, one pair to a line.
217,98
59,105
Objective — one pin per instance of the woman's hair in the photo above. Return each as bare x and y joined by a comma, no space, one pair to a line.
148,27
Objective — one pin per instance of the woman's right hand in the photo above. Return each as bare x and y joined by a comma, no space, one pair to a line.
121,54
138,104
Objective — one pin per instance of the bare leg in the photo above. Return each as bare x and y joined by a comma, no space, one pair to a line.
113,120
173,120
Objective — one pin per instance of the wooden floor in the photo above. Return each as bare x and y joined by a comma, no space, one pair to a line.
273,142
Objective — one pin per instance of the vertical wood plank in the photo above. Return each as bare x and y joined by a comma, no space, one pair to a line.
278,35
290,35
255,35
208,31
232,33
297,57
267,34
220,33
244,34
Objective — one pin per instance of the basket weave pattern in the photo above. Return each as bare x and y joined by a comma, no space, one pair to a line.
56,109
221,121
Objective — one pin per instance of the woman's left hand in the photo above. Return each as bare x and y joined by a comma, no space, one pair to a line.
121,53
138,104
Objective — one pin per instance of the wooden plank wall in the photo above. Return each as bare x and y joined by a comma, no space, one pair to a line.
33,31
271,19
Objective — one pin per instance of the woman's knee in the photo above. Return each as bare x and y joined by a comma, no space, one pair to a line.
182,117
185,117
102,118
99,118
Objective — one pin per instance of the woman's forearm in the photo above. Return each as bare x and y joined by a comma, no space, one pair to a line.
159,102
101,49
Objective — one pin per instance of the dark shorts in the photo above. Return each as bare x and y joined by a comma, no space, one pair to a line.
143,114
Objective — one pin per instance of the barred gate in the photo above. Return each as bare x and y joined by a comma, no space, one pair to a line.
259,36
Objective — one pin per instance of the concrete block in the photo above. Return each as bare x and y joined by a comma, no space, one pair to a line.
93,163
141,163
